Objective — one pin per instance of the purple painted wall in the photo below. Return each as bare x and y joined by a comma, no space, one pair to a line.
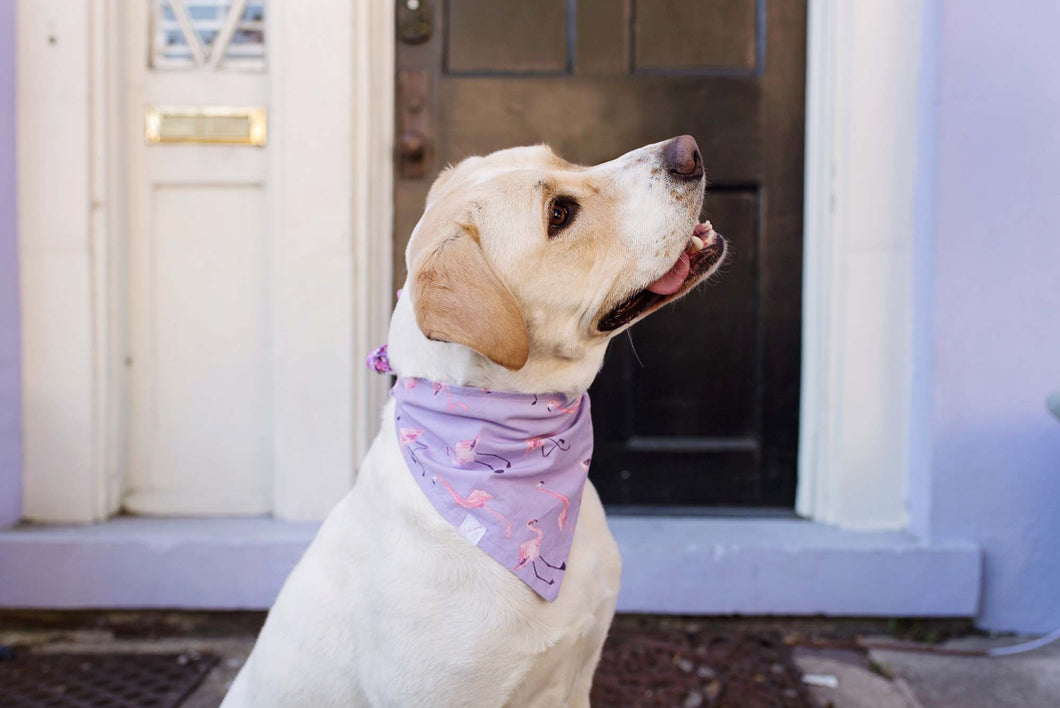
986,455
10,413
995,450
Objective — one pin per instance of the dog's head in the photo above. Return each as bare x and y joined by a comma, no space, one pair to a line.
534,263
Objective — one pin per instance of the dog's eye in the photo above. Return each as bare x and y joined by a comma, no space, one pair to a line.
557,219
560,214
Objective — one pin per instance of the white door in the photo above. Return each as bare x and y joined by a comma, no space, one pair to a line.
201,383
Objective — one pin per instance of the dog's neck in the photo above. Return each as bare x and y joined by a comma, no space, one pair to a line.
412,355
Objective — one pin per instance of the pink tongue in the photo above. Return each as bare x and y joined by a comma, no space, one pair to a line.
674,278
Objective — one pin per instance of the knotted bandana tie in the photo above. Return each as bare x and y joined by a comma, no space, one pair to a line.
506,469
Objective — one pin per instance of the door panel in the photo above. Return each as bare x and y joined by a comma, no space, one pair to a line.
482,40
200,348
209,290
671,35
720,325
610,116
709,412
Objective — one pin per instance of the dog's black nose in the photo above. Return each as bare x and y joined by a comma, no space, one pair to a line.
681,157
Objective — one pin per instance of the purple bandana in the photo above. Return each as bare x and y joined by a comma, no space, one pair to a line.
506,469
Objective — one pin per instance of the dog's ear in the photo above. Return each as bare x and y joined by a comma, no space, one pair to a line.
458,298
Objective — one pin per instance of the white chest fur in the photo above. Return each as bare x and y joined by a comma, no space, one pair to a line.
391,606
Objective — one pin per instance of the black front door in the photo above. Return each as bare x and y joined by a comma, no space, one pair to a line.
699,406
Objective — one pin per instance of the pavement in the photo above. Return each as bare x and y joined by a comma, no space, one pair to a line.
1031,679
839,677
847,679
913,679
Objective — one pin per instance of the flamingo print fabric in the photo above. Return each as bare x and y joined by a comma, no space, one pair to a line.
506,469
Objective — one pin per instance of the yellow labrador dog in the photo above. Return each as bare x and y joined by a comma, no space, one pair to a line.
521,269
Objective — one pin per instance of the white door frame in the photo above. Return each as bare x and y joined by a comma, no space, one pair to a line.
863,120
332,240
331,245
66,217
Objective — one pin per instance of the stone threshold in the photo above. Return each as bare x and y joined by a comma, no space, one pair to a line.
675,565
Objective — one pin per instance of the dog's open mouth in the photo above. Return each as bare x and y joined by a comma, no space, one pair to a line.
705,250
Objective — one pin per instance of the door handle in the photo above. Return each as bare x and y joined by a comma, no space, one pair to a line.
414,145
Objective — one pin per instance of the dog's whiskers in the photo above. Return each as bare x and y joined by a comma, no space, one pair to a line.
634,348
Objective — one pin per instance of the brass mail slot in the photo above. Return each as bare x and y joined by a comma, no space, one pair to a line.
216,125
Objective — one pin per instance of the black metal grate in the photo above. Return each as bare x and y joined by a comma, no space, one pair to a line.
101,680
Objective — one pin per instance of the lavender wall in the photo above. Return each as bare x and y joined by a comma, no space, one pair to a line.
10,414
986,455
996,452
